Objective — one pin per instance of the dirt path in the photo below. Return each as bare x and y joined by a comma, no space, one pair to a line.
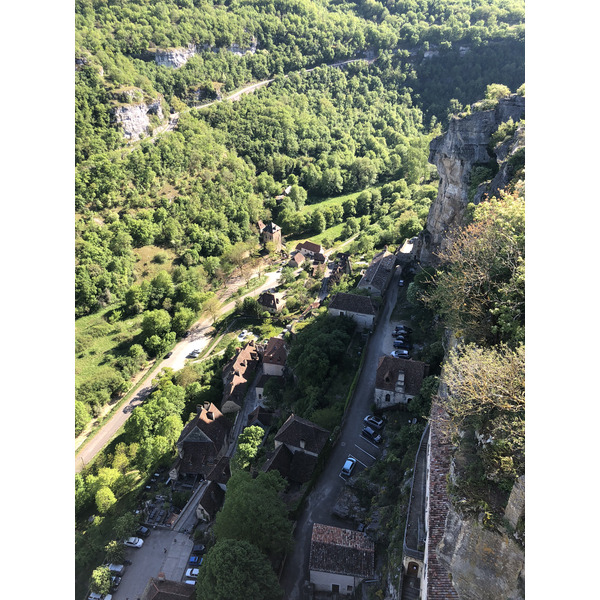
200,335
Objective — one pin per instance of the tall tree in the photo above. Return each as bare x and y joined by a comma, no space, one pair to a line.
236,570
250,501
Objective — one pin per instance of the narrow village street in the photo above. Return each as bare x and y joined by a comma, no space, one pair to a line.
318,507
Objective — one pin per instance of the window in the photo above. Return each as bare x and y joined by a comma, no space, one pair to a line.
387,398
349,588
335,587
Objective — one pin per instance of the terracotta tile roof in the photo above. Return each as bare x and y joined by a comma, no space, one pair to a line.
352,303
202,439
236,374
342,551
389,368
295,430
297,259
275,352
168,590
212,498
439,582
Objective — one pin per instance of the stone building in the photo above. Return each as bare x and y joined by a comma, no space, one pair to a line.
340,559
398,381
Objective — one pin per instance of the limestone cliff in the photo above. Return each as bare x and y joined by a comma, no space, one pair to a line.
174,58
133,114
464,146
483,563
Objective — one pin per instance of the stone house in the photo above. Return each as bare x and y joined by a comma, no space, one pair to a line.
202,442
270,302
398,381
340,559
210,501
297,446
378,274
296,260
236,375
159,588
359,308
271,233
309,249
301,435
274,357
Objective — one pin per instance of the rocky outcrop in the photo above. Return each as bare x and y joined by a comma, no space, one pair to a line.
483,563
174,58
134,119
465,145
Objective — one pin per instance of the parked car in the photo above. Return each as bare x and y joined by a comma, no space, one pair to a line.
400,353
116,569
198,549
143,531
134,542
374,422
192,573
369,434
195,560
403,328
115,581
168,355
186,334
193,353
400,282
349,466
190,581
400,344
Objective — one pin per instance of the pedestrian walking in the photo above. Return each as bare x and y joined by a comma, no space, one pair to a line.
165,550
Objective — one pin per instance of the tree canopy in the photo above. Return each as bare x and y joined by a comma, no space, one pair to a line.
250,502
235,570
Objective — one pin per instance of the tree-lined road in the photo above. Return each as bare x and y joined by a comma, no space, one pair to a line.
200,335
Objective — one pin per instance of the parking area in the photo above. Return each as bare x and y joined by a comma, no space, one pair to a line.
164,551
364,451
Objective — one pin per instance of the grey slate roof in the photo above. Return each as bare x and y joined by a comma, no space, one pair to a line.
296,429
352,303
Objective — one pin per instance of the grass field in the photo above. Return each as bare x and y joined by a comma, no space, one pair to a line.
95,338
146,267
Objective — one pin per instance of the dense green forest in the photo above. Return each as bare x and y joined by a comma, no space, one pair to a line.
160,222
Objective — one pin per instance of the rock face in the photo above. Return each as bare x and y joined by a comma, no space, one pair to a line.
174,57
135,118
464,145
484,564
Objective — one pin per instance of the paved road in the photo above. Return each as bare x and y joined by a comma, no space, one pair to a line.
199,338
151,559
323,497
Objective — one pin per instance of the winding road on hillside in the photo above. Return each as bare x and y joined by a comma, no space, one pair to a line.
200,335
